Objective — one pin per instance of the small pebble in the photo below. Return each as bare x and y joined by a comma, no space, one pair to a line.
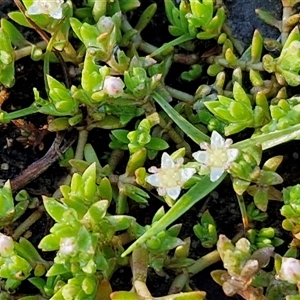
4,166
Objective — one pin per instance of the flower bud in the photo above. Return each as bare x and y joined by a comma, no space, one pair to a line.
113,86
290,270
6,245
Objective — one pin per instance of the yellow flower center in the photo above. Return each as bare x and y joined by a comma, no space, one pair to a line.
217,157
170,177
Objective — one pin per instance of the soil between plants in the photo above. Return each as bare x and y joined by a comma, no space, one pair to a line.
221,203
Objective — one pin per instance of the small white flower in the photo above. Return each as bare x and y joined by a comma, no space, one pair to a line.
52,8
113,86
170,178
217,157
290,270
6,245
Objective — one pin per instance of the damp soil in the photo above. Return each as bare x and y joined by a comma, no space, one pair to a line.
15,157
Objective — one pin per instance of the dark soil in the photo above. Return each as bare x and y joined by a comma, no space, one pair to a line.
221,203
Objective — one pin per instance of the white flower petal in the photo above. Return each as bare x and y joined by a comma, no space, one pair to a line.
153,169
217,141
215,173
228,143
232,154
204,146
201,156
57,13
153,179
167,161
187,173
34,9
173,192
161,191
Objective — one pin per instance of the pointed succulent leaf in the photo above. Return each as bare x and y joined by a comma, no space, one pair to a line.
272,163
54,208
256,47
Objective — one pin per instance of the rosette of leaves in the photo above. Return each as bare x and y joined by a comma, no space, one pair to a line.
264,237
84,236
263,190
139,138
160,244
196,18
237,113
287,65
245,170
206,231
242,267
284,113
291,210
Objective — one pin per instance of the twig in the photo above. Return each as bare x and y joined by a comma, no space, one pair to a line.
41,165
36,215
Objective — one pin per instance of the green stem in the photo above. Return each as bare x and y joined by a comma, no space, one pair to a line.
195,194
115,158
204,262
244,65
82,140
181,39
7,117
174,136
179,95
243,210
147,48
238,45
121,203
26,51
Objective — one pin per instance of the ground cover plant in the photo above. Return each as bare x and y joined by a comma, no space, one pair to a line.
167,148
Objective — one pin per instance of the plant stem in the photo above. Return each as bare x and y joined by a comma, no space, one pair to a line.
174,136
36,215
121,202
115,158
81,142
7,117
179,95
204,262
244,65
23,52
243,210
139,266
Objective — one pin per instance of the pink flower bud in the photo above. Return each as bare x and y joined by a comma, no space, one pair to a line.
290,270
113,86
6,245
